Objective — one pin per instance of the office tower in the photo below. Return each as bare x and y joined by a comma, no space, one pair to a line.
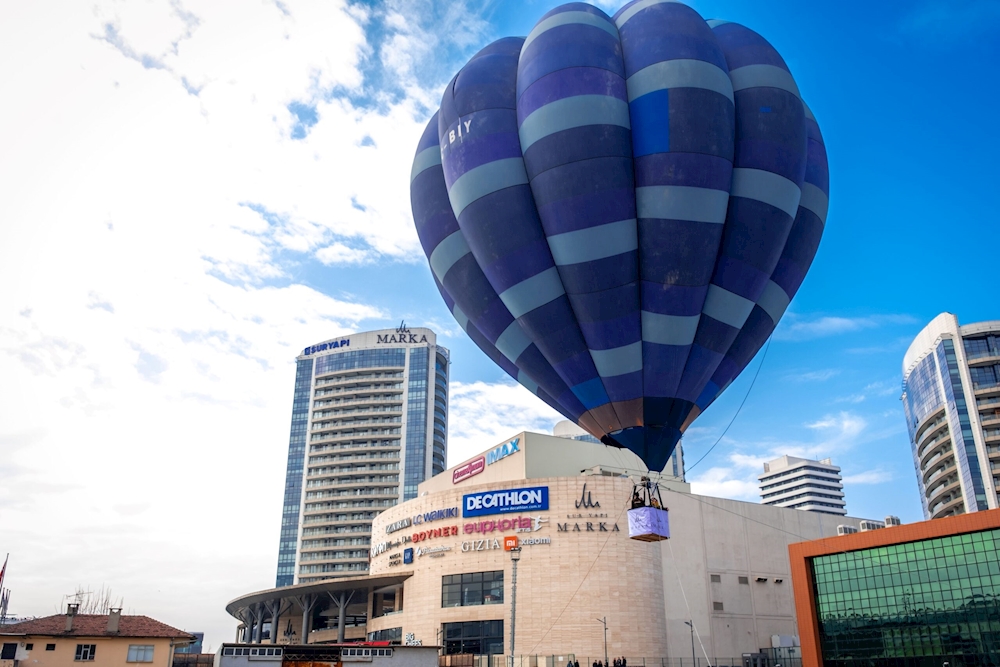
803,484
951,398
366,407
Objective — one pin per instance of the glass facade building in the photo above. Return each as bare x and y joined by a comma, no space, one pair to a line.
951,399
365,407
917,595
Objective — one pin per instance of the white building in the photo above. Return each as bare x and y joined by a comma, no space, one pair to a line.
439,572
366,408
951,397
803,484
567,429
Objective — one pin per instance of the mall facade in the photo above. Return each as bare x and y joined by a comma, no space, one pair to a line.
369,423
438,572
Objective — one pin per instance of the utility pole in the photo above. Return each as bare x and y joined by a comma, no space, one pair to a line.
515,555
694,659
604,620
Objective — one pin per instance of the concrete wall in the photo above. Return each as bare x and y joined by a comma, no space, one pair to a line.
111,651
589,570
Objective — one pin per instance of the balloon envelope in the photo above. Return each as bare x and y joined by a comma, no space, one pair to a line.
619,210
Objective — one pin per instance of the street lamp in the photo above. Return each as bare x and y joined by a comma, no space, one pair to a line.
604,620
690,624
515,555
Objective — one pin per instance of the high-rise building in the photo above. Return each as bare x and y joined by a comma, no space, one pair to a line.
803,484
951,397
366,408
569,430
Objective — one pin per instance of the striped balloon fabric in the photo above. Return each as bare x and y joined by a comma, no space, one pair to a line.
619,210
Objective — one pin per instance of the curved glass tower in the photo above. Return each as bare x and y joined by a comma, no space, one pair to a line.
369,423
951,397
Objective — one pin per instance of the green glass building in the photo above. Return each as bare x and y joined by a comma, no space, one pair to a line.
925,603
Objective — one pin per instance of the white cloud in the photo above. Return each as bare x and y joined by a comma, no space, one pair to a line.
482,414
155,205
869,477
794,327
815,376
723,483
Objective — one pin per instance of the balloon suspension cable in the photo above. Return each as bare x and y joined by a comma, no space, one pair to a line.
582,581
684,595
752,382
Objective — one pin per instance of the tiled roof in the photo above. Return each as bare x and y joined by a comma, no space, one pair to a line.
92,625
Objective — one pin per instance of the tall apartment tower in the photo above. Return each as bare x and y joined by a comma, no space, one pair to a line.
366,408
803,484
951,398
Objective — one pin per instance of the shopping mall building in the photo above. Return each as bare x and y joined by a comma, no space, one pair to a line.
439,573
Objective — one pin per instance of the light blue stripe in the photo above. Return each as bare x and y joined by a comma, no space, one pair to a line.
636,8
726,307
715,23
513,342
681,73
570,112
682,202
809,113
618,360
528,383
425,159
774,301
451,249
461,318
600,242
763,76
536,291
568,18
486,179
669,329
767,187
815,200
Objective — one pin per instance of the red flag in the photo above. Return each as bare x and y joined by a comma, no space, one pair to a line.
3,570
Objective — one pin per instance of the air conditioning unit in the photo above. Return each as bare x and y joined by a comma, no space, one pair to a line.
867,525
846,530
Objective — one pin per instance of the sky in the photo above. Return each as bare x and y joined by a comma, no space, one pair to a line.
192,192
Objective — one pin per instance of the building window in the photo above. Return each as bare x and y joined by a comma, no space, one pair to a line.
9,651
716,606
471,589
919,598
85,651
476,637
29,647
140,653
716,579
745,580
50,647
394,635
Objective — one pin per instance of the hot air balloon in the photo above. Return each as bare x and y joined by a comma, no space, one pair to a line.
619,210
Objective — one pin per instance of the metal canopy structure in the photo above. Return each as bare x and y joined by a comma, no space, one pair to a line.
274,604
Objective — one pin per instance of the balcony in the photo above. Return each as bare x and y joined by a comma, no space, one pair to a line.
948,507
942,468
935,451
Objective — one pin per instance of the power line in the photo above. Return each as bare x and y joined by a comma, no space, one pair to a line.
752,382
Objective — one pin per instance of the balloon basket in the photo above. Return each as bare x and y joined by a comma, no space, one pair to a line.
648,524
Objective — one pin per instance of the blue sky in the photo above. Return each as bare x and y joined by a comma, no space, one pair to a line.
191,194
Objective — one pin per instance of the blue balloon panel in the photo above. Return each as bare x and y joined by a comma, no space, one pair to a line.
619,210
